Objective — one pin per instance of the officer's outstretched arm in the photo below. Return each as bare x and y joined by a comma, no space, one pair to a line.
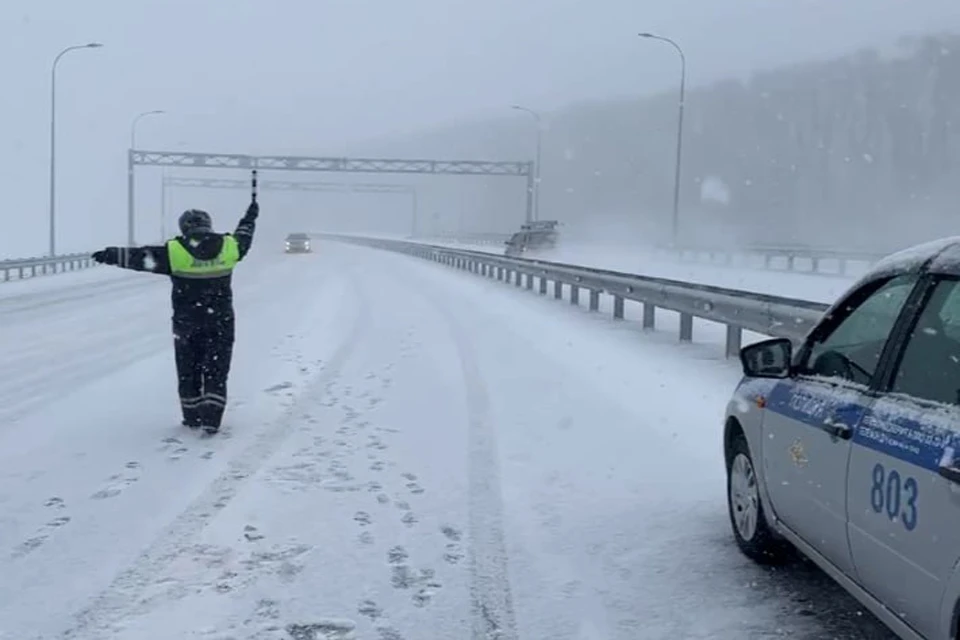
153,259
246,227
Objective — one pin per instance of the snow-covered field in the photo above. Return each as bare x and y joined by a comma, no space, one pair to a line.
410,450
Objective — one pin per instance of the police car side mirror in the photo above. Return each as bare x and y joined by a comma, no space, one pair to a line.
767,359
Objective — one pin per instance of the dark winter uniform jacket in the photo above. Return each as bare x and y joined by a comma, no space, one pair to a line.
197,303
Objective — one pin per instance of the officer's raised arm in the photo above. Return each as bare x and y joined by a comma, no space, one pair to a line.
246,228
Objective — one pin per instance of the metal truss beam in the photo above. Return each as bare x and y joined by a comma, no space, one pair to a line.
287,185
342,165
140,157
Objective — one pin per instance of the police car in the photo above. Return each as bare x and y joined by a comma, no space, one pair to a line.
298,243
847,447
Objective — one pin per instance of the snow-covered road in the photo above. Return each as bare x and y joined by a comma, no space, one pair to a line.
413,450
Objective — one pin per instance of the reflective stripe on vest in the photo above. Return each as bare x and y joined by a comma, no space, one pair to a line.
184,265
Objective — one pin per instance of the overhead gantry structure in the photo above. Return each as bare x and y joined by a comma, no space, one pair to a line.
183,159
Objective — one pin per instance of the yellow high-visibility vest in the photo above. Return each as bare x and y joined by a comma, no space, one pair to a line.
184,265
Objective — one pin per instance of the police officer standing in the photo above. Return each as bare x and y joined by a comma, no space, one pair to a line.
200,264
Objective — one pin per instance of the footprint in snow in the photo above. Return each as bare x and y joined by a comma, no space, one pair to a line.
40,537
118,482
267,609
365,538
169,443
451,533
389,633
251,533
397,555
278,387
370,609
453,552
325,630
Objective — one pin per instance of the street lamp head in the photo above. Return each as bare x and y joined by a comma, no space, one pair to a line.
646,35
93,45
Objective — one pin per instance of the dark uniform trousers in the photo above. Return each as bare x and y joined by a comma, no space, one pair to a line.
203,355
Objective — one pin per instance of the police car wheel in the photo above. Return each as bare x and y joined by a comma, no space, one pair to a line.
750,529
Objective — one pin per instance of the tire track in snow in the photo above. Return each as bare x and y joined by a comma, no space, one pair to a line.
122,595
491,606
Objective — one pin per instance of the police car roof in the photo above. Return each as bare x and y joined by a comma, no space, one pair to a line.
940,256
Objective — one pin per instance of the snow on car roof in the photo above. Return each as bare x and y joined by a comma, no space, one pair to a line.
939,256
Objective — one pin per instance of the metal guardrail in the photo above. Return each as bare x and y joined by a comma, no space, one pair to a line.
819,261
739,310
469,238
32,267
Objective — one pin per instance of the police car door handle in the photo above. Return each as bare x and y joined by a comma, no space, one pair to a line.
836,428
950,472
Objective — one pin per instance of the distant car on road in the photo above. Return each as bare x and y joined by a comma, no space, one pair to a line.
298,243
847,447
533,238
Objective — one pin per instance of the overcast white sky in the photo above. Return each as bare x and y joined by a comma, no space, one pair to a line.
310,76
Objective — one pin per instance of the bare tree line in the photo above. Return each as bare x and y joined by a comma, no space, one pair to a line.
861,152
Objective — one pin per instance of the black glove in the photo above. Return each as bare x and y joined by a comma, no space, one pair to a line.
105,256
252,211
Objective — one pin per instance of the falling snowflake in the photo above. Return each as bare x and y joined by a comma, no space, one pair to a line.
149,262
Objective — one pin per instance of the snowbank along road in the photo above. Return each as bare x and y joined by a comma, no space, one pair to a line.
410,452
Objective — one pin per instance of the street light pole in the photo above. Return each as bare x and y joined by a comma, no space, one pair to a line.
536,179
133,126
133,145
53,140
163,208
675,230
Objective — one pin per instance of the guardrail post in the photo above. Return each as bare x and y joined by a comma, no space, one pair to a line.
529,281
594,300
790,262
617,308
686,327
518,278
543,286
557,289
574,294
734,341
815,264
649,315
